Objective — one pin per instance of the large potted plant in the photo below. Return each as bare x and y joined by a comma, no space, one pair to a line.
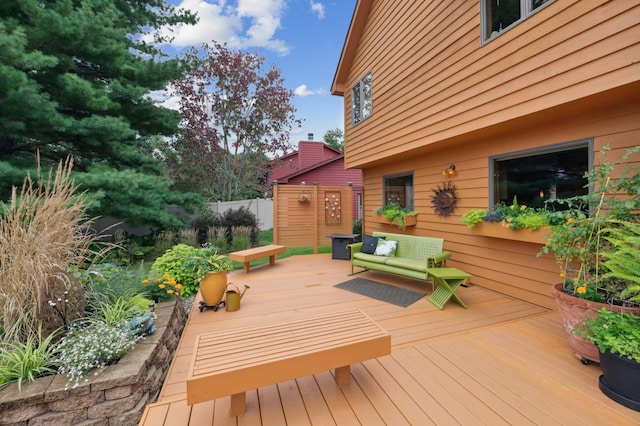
209,268
189,266
583,229
617,337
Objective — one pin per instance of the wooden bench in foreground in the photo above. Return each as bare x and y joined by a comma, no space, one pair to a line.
233,361
246,256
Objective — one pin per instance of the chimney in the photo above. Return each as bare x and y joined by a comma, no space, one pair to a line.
310,136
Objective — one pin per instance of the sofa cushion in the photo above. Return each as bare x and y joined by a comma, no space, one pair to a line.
386,248
369,244
401,262
369,257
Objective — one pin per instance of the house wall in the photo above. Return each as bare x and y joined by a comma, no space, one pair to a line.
506,266
435,83
569,72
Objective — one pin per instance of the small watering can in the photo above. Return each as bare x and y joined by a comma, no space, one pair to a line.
233,296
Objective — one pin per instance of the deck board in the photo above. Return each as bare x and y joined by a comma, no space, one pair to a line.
501,361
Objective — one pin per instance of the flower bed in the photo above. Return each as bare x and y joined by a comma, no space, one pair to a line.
116,395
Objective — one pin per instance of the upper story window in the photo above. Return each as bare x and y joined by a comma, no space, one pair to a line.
499,15
539,176
361,99
398,189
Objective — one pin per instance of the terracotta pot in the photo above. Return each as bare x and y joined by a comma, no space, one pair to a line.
213,286
573,311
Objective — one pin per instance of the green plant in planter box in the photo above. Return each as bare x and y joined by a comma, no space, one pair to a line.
615,332
395,213
513,216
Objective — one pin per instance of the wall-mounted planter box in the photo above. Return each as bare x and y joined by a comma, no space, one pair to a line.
496,230
409,220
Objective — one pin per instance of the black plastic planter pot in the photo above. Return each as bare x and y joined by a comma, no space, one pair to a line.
620,379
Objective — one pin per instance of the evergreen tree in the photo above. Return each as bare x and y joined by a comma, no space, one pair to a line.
75,79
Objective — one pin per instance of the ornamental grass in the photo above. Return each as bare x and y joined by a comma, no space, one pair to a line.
43,230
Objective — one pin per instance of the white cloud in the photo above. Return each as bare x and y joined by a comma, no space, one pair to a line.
243,24
317,8
303,91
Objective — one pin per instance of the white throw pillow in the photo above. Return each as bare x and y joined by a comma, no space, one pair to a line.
386,248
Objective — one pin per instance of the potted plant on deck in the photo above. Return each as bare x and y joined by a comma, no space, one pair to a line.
583,234
209,268
617,337
190,266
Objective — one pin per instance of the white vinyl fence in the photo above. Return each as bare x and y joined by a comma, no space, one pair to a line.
261,207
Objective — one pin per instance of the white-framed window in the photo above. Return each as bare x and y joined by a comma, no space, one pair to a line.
398,189
536,177
361,99
500,15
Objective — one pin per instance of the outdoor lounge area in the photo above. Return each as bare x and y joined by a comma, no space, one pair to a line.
500,361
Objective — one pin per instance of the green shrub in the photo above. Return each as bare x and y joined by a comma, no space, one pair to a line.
171,263
240,217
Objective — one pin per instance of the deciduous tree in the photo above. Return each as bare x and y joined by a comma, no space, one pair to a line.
236,116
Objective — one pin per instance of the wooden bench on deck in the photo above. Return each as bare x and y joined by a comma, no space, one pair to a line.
246,256
233,361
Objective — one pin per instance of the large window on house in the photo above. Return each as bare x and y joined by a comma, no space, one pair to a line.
398,189
541,175
361,99
499,15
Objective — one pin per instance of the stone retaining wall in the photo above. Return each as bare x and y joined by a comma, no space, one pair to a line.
117,395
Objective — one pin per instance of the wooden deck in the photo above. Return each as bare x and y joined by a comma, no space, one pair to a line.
501,361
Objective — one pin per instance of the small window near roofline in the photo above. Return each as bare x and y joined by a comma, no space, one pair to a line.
361,99
537,177
498,16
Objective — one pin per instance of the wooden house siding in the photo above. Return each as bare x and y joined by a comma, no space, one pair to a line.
434,81
506,266
569,72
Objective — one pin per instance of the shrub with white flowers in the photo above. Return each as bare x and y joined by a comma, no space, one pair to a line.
92,347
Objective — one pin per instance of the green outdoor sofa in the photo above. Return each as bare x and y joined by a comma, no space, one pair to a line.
413,255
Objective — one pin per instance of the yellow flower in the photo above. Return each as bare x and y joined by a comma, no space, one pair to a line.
169,291
571,220
523,207
162,286
179,287
562,274
582,290
145,282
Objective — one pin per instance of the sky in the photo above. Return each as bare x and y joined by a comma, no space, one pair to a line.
302,38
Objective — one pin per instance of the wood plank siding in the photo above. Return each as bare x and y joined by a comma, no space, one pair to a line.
568,72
